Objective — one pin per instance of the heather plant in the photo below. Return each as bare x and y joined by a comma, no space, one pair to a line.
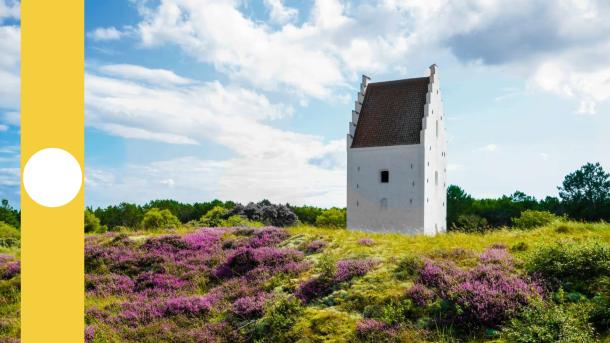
371,330
316,246
480,297
366,241
322,285
530,219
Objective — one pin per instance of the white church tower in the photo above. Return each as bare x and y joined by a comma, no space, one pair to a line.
397,157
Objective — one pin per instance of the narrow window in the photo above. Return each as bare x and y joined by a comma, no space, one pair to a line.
413,183
384,204
410,201
357,203
436,178
358,168
432,111
385,176
436,228
427,180
427,199
411,165
357,186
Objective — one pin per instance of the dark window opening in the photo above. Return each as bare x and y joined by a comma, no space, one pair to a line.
385,176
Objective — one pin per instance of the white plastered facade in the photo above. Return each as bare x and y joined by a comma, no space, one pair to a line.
414,200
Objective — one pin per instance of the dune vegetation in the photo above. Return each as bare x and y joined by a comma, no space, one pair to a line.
310,284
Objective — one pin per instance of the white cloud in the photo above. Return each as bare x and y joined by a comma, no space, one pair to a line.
11,118
544,156
95,178
10,69
280,14
271,163
10,176
103,34
10,149
490,148
10,9
134,72
550,45
3,127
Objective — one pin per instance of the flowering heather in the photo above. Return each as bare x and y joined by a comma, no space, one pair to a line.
108,285
244,260
366,241
371,330
252,306
419,294
159,280
484,296
4,258
11,270
321,286
316,246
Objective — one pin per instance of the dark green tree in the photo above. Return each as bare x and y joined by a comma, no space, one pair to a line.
586,193
458,203
9,215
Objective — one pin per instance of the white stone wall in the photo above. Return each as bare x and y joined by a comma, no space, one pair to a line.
416,193
404,192
433,138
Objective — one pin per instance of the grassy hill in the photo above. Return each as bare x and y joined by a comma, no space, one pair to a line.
307,284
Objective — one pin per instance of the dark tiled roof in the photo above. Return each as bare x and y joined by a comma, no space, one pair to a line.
391,113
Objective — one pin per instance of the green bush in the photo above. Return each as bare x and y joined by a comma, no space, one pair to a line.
214,216
542,322
92,223
576,263
8,231
238,221
156,219
470,223
532,219
333,217
275,326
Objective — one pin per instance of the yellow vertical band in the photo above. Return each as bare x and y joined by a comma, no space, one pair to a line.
52,107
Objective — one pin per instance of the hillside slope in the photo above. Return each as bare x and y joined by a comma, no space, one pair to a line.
307,284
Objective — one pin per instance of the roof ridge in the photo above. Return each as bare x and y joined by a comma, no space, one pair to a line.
401,80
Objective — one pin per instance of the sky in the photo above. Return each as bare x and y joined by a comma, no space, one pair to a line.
195,100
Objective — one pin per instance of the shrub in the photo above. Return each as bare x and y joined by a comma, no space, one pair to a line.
371,330
156,219
542,322
532,219
238,221
7,231
470,223
316,246
334,217
331,275
92,223
267,213
280,318
481,297
578,263
213,217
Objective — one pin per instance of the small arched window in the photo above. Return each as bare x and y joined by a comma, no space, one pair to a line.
384,204
436,178
385,176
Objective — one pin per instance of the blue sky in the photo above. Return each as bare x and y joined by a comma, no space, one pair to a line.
245,100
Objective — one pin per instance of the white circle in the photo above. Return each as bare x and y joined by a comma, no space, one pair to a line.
52,177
